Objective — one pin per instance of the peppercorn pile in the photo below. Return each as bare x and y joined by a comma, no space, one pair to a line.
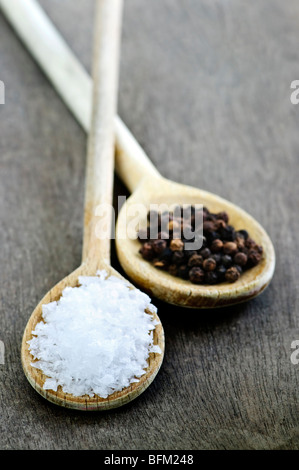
224,255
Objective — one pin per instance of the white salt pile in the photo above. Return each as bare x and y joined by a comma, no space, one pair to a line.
96,339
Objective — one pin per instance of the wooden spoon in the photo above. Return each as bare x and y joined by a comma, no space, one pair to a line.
99,184
132,165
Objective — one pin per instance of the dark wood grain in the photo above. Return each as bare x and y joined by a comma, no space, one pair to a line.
205,88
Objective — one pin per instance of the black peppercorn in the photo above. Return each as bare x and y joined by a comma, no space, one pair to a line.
213,235
230,248
205,253
166,255
221,270
195,260
211,277
220,224
254,257
240,258
250,243
238,267
159,246
216,245
227,233
232,274
217,257
227,261
147,251
196,275
208,226
176,244
189,253
209,264
259,249
240,242
223,216
178,258
242,233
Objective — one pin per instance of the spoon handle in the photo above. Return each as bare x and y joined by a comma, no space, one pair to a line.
100,149
73,83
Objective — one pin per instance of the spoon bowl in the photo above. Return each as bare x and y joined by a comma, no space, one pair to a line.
86,403
174,290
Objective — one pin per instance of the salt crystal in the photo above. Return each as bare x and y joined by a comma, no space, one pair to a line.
96,339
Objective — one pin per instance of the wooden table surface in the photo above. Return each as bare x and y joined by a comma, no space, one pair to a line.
205,89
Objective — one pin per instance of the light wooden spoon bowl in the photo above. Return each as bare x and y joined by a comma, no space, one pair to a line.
85,403
148,187
99,185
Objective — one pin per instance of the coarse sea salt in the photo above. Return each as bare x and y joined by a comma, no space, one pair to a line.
96,339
